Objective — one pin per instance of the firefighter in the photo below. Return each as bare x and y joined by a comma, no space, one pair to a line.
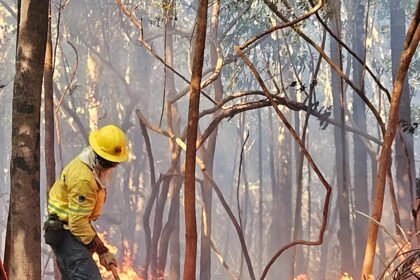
76,199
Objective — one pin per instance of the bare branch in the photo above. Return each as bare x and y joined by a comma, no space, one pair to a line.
8,8
336,68
150,49
73,74
235,109
308,158
281,26
222,260
215,187
350,51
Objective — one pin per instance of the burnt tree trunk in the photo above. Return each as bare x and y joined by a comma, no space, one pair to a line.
49,111
23,255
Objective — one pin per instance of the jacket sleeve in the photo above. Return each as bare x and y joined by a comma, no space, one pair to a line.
82,200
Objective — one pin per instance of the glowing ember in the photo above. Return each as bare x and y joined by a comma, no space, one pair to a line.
125,268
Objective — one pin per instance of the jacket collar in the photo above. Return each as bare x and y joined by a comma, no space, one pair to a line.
102,176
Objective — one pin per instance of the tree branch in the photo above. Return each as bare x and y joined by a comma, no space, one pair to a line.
8,8
308,158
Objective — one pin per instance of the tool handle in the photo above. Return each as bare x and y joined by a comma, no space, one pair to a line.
3,275
115,272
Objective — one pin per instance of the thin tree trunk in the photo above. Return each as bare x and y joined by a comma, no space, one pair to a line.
3,275
360,179
242,211
325,247
281,220
410,45
94,69
171,229
24,229
175,265
404,151
344,233
208,157
168,229
49,112
173,122
157,226
297,251
193,116
148,209
49,140
227,249
260,231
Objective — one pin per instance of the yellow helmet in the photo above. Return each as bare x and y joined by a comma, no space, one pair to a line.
110,143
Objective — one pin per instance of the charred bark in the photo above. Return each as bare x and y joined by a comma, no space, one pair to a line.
24,229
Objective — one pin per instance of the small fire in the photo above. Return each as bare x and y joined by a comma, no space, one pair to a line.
125,269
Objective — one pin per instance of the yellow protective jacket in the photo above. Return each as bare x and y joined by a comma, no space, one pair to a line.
77,199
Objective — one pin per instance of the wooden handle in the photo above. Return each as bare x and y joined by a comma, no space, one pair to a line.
115,272
3,275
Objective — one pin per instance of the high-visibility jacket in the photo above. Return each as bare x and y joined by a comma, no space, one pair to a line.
77,199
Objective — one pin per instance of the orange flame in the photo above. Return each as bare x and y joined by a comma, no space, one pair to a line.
125,269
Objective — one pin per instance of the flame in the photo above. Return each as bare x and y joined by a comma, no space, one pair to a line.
344,276
125,269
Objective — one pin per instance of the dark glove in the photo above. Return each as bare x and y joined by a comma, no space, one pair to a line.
97,246
107,259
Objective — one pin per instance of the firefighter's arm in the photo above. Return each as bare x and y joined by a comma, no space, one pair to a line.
82,200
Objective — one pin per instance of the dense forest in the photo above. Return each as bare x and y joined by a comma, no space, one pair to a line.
269,139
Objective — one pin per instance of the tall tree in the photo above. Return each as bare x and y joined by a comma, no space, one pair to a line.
23,255
360,179
298,258
404,151
281,180
94,71
49,111
170,232
208,156
49,119
345,232
193,111
173,120
410,45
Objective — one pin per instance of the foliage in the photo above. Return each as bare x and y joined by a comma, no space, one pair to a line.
409,267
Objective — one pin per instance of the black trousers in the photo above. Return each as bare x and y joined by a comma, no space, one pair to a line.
74,259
